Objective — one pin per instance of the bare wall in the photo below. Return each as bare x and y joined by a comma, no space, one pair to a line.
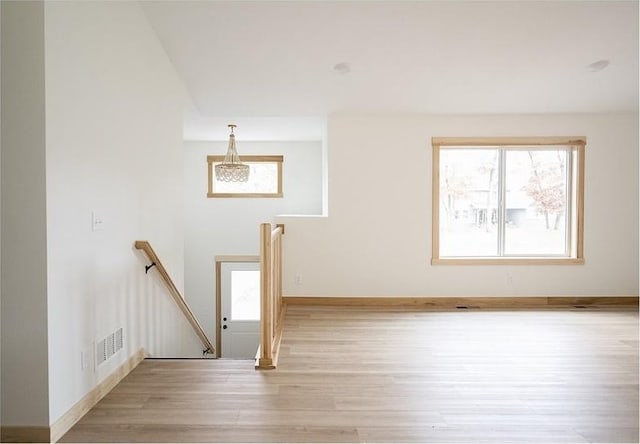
377,238
24,260
114,148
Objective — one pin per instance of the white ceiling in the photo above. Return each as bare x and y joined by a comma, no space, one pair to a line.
267,62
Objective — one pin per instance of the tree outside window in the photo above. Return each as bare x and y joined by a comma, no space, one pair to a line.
511,201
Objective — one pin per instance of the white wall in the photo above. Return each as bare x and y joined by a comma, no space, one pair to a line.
0,215
231,226
114,147
377,238
24,261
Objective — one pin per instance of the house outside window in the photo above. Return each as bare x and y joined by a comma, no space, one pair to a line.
508,200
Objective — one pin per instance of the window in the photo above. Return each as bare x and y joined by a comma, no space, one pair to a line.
265,178
508,200
245,295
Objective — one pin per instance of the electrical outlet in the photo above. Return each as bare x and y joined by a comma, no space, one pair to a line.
298,279
509,279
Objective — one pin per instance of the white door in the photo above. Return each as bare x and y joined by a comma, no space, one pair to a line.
240,310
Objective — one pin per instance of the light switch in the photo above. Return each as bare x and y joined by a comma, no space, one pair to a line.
97,223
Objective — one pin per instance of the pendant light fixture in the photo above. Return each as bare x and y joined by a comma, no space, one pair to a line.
232,169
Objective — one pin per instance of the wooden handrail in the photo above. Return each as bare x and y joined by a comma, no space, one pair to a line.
271,305
175,293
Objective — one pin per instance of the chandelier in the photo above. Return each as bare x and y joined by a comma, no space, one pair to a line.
231,169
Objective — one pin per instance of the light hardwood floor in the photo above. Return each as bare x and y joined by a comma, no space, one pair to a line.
395,375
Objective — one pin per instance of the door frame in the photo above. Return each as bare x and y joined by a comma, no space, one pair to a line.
219,261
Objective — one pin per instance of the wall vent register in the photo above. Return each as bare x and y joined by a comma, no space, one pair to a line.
109,346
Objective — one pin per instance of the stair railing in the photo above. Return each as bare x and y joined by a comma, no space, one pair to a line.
272,308
175,293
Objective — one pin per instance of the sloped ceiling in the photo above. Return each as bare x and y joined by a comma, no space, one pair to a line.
271,60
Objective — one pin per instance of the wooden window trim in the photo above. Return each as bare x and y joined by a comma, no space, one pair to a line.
507,141
213,159
577,142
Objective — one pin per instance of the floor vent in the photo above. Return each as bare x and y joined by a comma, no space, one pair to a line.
461,307
109,346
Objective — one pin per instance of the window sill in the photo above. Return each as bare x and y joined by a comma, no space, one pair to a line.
253,195
508,261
